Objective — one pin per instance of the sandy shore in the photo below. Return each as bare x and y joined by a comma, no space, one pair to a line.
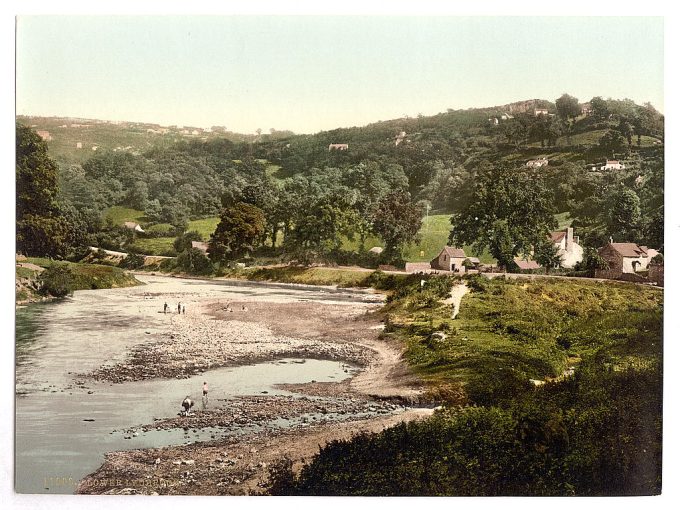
218,333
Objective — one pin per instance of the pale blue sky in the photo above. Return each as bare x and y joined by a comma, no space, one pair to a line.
312,73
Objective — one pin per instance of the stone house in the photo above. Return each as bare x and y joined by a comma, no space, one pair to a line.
449,259
540,111
613,165
626,258
568,247
338,147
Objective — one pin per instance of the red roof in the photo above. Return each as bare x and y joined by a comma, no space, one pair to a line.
454,253
556,237
526,264
629,249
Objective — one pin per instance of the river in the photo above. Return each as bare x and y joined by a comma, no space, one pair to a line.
65,423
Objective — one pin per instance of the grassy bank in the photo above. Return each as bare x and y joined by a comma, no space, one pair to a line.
510,331
303,275
596,432
43,280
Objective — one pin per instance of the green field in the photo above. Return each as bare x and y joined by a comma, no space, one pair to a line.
119,214
205,227
434,236
163,228
154,246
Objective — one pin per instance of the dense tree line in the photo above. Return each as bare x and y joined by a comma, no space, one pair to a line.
319,197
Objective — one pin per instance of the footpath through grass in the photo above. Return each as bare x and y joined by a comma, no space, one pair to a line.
508,332
594,433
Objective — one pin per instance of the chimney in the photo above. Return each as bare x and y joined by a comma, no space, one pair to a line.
570,239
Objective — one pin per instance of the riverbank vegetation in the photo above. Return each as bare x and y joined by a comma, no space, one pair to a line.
517,420
39,278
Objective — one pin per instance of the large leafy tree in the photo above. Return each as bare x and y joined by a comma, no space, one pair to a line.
41,229
600,108
397,221
567,106
237,233
319,229
612,141
624,217
509,213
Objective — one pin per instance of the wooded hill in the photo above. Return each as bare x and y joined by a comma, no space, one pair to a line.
170,176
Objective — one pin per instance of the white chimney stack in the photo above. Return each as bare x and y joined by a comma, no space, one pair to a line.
570,239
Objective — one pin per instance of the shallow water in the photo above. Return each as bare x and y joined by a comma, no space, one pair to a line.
55,447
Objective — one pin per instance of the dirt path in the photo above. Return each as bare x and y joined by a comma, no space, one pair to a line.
226,333
457,293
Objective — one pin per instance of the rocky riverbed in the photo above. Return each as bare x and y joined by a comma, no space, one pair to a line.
231,444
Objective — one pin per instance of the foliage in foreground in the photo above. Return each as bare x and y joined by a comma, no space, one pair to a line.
595,433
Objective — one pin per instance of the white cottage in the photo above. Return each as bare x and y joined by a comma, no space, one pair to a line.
449,259
568,247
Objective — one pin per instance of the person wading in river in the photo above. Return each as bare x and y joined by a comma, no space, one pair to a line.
187,404
205,394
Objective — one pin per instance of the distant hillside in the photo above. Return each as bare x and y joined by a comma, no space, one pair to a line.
74,140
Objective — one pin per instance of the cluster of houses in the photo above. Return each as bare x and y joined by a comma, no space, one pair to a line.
610,164
626,260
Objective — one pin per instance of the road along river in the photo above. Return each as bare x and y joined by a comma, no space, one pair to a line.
105,371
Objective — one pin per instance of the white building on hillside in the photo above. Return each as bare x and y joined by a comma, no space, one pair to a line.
537,163
613,164
568,248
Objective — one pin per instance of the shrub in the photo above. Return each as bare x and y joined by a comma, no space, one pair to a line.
194,261
132,261
57,281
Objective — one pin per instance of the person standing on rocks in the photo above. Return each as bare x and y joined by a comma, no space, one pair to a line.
179,307
187,404
184,310
205,393
165,307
